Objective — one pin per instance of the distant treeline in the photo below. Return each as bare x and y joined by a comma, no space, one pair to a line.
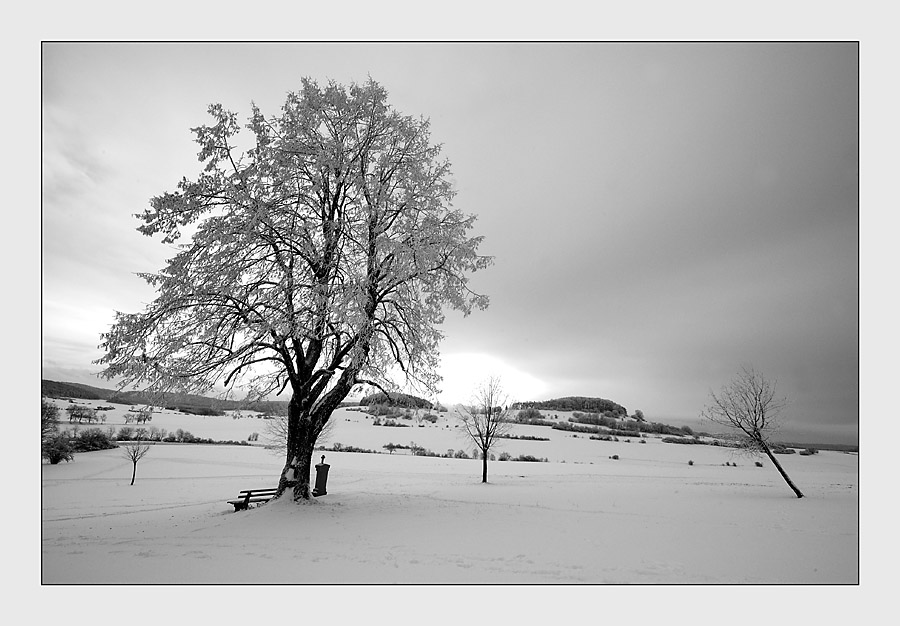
268,407
836,447
195,410
631,426
54,389
185,402
575,403
396,399
595,423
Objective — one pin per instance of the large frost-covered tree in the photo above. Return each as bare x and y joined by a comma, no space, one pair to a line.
321,257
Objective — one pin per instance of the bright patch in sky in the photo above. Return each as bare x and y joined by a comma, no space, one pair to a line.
464,372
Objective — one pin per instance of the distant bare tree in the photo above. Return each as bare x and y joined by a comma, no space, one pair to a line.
81,413
55,446
486,420
144,414
134,452
49,419
748,404
276,434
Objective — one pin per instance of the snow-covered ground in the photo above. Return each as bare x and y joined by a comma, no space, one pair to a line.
582,517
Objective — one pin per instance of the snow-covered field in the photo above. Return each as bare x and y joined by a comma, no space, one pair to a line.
582,517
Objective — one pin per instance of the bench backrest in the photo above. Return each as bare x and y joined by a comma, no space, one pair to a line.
258,492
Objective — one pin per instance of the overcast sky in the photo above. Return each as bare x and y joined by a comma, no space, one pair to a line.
659,214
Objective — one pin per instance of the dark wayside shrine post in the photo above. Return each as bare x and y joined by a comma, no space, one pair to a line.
321,478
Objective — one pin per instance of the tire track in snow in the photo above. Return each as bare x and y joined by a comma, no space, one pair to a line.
135,510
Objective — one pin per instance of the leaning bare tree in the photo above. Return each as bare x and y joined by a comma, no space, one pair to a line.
134,452
748,404
486,420
322,257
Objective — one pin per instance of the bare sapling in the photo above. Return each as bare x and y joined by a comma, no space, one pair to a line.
749,405
486,420
134,452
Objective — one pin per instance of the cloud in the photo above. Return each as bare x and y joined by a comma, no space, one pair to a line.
659,214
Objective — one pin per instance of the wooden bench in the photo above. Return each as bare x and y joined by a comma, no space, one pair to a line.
249,496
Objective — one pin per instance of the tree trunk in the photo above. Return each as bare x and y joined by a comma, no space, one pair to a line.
304,467
484,460
298,457
133,472
780,469
306,419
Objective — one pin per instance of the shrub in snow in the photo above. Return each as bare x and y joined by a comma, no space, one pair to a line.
690,462
91,439
782,450
759,464
56,448
682,440
615,457
528,414
185,436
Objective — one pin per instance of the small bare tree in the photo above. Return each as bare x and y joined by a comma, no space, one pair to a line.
134,452
486,420
748,404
